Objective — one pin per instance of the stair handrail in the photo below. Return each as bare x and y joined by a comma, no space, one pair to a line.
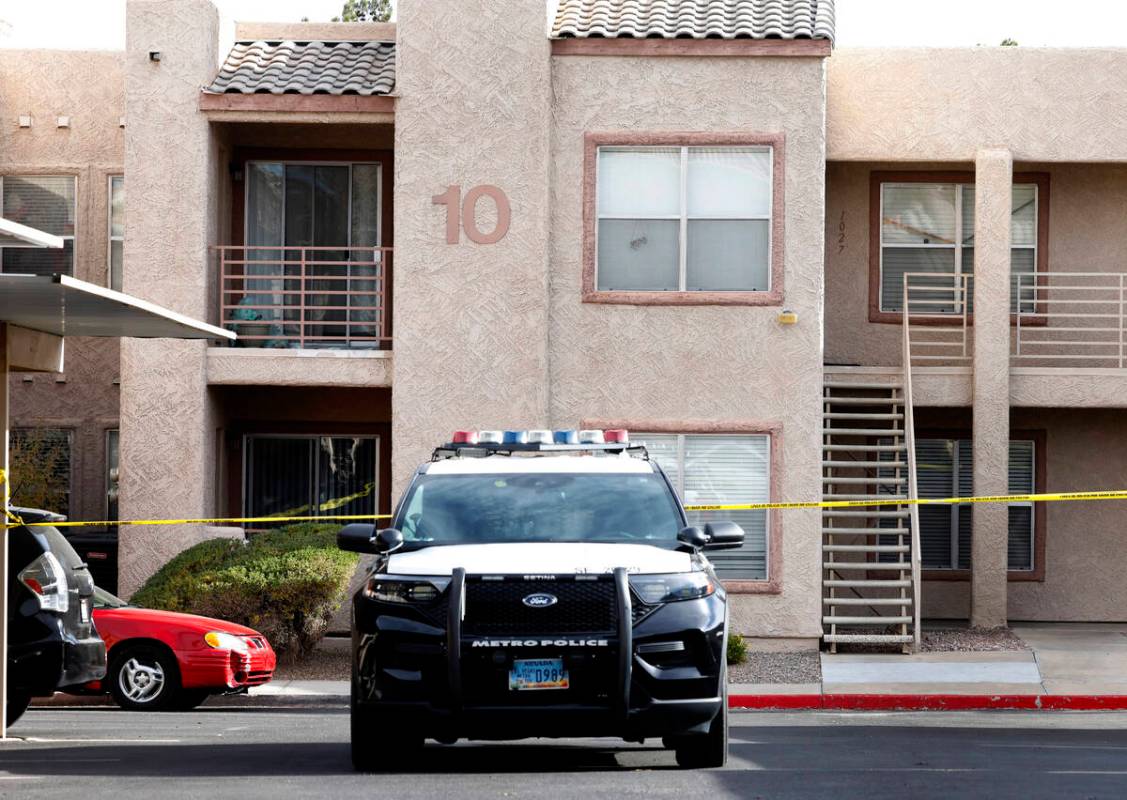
913,493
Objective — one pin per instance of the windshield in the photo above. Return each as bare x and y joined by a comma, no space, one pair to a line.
475,509
103,599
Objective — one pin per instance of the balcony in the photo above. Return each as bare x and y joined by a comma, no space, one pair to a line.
307,298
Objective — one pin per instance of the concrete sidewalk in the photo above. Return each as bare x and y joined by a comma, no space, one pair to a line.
1073,666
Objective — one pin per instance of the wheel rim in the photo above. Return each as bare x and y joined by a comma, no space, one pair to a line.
141,682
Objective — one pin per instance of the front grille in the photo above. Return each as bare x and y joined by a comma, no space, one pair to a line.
496,607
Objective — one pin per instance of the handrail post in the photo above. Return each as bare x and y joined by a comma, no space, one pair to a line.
1121,320
910,445
301,306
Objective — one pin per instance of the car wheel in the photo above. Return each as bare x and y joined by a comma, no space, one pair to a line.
144,678
709,750
187,699
17,704
377,747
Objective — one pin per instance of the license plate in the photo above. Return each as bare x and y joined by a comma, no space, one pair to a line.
537,673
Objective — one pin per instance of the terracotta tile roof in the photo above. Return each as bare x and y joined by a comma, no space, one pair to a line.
695,19
316,67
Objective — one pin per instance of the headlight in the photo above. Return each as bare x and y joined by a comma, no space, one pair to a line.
225,641
400,590
654,589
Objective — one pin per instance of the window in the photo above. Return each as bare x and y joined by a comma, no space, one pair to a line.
45,202
40,460
310,475
328,208
720,469
113,440
117,229
929,228
684,219
944,468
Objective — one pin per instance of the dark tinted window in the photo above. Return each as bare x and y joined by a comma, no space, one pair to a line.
452,509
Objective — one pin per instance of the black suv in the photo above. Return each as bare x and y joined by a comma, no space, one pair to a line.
52,642
527,593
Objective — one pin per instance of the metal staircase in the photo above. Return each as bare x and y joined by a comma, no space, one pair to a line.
870,566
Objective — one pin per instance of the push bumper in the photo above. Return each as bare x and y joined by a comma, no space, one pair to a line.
657,677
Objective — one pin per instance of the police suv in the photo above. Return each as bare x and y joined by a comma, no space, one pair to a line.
539,584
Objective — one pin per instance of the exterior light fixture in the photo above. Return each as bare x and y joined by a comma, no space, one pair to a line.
787,317
154,55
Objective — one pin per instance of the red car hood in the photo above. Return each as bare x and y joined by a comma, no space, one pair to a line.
172,619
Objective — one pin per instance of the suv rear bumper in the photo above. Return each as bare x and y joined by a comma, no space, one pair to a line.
659,677
57,660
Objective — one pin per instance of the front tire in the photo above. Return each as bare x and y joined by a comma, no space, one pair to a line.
377,747
17,704
144,678
709,750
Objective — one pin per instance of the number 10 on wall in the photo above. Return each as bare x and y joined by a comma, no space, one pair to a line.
460,214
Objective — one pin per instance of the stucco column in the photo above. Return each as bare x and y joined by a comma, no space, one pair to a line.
171,167
471,293
992,211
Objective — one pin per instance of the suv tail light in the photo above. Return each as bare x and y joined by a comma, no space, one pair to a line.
47,580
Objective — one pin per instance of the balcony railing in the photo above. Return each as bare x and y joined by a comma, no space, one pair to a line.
936,309
1070,319
306,297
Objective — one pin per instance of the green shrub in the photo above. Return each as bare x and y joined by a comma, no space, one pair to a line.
285,584
737,649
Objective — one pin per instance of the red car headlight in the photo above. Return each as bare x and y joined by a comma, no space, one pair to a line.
225,641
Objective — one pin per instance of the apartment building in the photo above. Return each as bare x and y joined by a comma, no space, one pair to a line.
794,271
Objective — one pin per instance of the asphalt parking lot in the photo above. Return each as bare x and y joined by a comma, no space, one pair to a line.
261,752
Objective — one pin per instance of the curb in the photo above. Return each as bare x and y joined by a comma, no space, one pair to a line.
928,702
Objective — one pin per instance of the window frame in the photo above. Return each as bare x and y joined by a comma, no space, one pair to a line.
773,142
773,583
110,238
1040,516
72,237
112,484
879,179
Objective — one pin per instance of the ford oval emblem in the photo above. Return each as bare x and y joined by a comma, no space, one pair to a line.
540,600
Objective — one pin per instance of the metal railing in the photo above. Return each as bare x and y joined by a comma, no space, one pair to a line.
936,317
1069,319
306,297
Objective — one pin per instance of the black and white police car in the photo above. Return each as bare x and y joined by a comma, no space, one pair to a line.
539,584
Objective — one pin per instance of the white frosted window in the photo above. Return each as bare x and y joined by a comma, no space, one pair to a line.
717,469
684,218
117,230
929,228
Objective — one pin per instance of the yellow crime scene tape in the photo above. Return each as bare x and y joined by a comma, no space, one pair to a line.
14,521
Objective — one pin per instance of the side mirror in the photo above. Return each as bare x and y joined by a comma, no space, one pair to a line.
693,537
391,539
359,537
723,536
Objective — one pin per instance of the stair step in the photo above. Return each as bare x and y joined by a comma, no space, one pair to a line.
848,512
865,548
862,432
855,480
861,530
859,385
866,638
867,601
859,415
898,566
865,464
844,583
868,448
846,400
866,620
878,499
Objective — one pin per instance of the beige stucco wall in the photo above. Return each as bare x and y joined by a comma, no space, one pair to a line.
46,85
1087,233
172,159
914,104
1084,554
701,363
471,320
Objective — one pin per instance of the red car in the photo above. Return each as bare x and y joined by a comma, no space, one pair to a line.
163,660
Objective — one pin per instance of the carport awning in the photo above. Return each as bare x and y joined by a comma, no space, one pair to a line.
65,306
29,235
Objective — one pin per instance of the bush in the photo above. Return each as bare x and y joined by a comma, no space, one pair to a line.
285,584
737,649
